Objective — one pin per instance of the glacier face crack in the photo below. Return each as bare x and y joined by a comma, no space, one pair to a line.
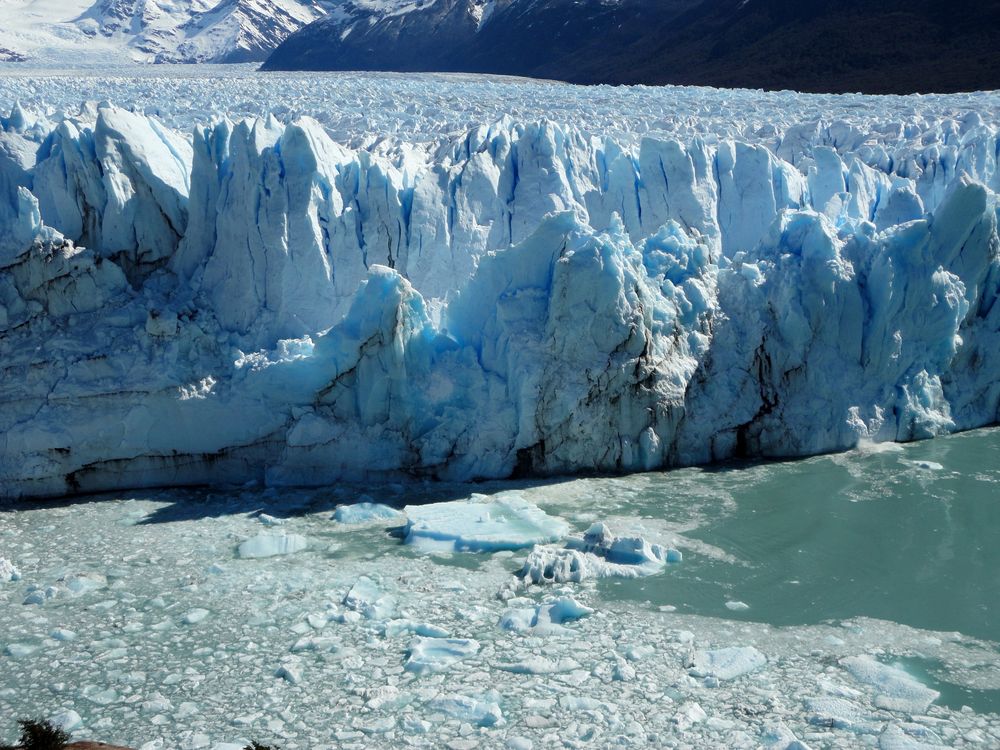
208,306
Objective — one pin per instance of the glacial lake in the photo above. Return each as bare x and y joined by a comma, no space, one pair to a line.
138,615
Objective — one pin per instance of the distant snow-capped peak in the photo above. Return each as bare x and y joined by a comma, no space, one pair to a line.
152,30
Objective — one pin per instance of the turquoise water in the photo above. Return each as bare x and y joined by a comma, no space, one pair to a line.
890,553
909,534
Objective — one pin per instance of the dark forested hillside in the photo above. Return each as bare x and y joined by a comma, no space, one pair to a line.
891,46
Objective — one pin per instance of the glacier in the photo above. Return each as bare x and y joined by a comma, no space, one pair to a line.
213,300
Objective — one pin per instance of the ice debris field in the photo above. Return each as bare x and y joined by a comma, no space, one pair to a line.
465,278
584,613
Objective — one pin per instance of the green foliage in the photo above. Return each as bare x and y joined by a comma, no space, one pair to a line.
41,735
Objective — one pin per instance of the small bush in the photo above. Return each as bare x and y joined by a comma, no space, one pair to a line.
41,735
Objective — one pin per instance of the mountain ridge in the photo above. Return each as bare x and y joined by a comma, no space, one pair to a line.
897,46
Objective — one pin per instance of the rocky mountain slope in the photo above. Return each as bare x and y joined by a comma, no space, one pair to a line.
897,46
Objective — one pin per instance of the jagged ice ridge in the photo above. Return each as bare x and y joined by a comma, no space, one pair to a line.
256,300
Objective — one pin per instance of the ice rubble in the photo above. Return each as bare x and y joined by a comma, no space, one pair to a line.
279,659
259,301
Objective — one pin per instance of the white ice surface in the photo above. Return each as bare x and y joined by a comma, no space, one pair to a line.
272,545
302,651
598,553
428,279
365,513
481,524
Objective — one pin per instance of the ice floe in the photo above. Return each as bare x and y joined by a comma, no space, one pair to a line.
481,524
727,663
366,513
272,545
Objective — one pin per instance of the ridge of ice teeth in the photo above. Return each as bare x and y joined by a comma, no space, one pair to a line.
845,230
521,296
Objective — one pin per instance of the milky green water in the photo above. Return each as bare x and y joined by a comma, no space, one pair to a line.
910,534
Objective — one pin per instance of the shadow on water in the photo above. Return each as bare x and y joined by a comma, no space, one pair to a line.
184,504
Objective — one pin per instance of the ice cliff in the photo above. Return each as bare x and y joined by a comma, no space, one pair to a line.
254,300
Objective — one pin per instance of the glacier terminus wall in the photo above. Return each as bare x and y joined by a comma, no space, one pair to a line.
260,299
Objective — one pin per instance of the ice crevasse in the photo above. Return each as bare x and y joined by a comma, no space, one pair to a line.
256,301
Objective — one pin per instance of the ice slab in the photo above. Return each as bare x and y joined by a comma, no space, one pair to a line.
272,545
727,663
481,524
365,513
840,713
366,597
428,655
895,690
481,713
545,619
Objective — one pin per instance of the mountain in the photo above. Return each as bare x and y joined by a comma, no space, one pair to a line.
894,46
184,31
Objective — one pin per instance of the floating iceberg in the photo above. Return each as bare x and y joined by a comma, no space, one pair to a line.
597,554
365,513
727,663
544,619
895,690
481,524
428,655
272,545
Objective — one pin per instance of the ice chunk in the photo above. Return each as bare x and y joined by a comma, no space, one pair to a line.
20,650
481,524
427,655
895,690
482,713
544,619
727,663
290,673
539,665
403,626
7,571
839,713
597,554
272,545
194,616
689,714
778,736
67,720
84,583
364,513
895,738
366,598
